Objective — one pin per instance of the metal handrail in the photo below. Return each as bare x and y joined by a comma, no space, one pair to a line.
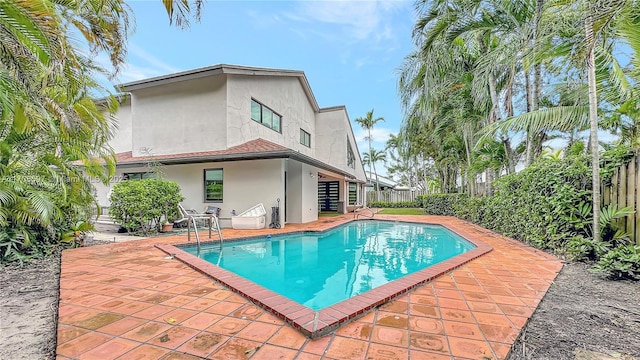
212,219
356,214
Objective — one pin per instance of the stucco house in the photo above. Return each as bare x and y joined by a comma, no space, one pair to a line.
234,136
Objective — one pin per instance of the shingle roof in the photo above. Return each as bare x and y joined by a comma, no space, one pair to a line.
251,149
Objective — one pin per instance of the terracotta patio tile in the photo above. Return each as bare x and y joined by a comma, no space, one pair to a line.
176,316
109,350
471,349
516,310
200,304
392,320
346,348
423,355
203,344
258,331
503,334
270,352
477,296
228,326
463,330
518,321
396,307
288,337
66,333
488,307
457,315
201,321
307,356
173,337
426,325
81,344
144,352
429,342
318,346
269,318
452,304
384,352
147,331
452,294
121,326
129,307
390,336
235,349
179,300
248,312
173,355
78,316
356,330
224,308
501,350
492,319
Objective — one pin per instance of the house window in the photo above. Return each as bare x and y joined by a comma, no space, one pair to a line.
351,159
265,116
353,193
139,175
213,185
305,138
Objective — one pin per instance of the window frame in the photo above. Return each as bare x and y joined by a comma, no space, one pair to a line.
306,136
204,184
141,174
263,109
351,157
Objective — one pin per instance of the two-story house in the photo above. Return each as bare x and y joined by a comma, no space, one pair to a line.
234,136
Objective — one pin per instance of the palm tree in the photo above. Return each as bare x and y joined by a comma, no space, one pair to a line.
179,11
367,123
371,158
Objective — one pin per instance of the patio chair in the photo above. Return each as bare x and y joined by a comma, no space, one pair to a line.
210,216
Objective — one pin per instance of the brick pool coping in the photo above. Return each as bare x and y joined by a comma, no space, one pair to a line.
315,324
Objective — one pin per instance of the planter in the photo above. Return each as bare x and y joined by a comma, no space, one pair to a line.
167,227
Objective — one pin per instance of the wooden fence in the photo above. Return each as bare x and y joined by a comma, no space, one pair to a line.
624,191
394,195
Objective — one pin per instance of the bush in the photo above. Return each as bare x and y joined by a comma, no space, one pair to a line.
443,204
621,263
142,205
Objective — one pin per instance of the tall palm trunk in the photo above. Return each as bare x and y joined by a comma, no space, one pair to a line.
593,120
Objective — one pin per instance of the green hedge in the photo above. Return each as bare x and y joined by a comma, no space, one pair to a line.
443,204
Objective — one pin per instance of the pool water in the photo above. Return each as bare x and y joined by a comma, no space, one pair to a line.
320,269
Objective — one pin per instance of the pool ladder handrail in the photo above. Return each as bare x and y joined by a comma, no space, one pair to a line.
213,222
356,214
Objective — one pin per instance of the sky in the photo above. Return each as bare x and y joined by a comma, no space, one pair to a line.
349,50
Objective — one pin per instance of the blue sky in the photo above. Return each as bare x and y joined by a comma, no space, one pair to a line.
350,50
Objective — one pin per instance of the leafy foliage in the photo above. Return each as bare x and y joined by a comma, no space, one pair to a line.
621,263
142,205
442,204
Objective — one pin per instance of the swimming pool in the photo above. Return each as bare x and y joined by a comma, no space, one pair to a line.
318,270
317,323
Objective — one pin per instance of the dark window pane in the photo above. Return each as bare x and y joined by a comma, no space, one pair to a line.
255,111
213,185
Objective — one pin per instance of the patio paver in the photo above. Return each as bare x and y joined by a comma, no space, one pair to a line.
128,301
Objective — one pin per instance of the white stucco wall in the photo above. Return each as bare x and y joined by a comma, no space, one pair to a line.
283,95
122,127
302,192
181,117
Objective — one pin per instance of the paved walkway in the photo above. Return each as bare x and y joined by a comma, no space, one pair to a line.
129,301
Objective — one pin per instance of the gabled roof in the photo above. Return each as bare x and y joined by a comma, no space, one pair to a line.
221,69
251,150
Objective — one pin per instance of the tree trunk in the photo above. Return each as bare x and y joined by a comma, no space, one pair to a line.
528,85
593,120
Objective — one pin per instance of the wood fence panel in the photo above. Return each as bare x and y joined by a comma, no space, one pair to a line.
631,195
622,195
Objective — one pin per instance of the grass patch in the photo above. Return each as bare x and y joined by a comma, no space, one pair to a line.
328,214
402,211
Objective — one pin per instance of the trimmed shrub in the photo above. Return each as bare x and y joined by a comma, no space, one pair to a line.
621,263
142,205
443,204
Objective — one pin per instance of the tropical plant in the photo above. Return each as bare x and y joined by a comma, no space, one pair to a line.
368,122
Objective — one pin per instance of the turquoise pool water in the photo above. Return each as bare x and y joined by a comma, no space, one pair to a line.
320,269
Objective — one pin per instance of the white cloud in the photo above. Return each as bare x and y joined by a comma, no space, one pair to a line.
359,20
379,137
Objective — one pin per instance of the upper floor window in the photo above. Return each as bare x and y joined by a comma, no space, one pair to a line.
351,158
305,138
213,185
265,116
139,175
